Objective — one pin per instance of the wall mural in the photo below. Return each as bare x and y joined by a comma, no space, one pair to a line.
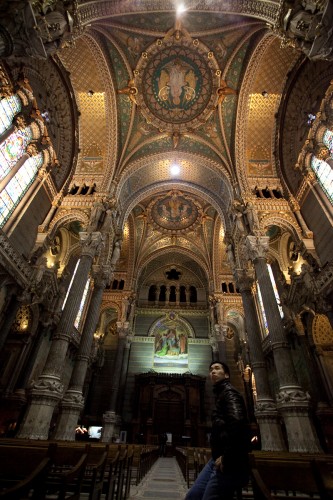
171,343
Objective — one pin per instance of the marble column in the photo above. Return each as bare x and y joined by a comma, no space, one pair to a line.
265,410
220,333
11,311
73,402
292,402
110,417
123,375
48,390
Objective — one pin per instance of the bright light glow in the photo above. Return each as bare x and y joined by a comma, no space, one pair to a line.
175,169
180,9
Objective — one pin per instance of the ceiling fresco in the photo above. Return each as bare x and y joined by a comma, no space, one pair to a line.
202,91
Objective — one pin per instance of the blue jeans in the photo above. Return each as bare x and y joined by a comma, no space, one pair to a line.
212,484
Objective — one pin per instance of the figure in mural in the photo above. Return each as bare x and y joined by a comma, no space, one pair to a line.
177,83
162,348
170,343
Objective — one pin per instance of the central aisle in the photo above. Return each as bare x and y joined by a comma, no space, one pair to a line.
164,481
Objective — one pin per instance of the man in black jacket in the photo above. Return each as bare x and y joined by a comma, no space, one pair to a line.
228,469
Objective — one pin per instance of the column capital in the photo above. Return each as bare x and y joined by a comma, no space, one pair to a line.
91,243
257,246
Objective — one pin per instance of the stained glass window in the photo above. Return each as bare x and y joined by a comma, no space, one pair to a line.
9,107
11,195
324,175
82,305
261,304
328,140
12,149
70,284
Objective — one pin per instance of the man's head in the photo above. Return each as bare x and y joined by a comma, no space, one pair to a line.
218,371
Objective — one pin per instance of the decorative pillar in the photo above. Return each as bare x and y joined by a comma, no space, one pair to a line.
73,402
110,417
265,407
48,390
11,312
123,375
292,401
221,333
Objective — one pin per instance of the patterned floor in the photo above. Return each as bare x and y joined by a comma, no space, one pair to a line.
164,481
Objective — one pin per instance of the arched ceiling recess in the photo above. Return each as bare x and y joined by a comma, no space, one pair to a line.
95,97
158,263
261,94
266,11
195,173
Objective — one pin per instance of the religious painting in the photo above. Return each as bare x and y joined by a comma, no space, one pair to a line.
171,344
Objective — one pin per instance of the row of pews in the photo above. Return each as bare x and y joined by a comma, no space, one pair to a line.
273,475
69,471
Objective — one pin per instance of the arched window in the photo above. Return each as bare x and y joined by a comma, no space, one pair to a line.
14,191
182,295
162,296
152,293
324,174
15,178
193,294
9,107
172,297
328,140
12,149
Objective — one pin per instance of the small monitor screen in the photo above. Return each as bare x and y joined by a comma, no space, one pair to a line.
94,432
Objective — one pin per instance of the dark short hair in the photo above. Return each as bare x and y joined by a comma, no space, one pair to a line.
224,366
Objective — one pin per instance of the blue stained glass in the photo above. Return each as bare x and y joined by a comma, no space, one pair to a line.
324,174
9,107
12,149
18,186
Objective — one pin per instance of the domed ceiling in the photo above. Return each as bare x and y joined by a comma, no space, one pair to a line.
199,91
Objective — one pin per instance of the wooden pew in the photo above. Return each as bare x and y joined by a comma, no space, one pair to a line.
281,475
64,479
22,470
93,478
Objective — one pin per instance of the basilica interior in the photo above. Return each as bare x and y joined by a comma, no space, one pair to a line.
166,201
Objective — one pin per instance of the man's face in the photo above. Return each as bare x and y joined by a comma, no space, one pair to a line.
216,373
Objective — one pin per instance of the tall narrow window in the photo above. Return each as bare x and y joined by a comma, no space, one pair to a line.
14,191
261,304
9,107
82,304
70,284
328,140
12,149
324,175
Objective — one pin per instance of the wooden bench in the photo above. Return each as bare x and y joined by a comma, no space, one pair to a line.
23,470
65,477
283,475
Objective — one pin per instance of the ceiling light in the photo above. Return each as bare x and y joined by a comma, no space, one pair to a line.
180,9
175,169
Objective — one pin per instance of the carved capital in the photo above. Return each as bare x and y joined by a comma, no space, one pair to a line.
257,247
91,243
